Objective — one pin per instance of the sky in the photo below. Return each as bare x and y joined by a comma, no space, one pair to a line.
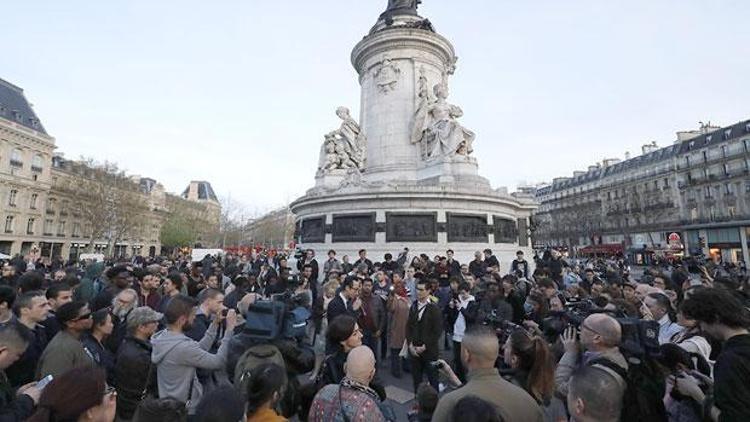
240,92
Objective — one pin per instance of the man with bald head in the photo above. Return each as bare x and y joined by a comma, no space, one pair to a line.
600,336
479,351
353,399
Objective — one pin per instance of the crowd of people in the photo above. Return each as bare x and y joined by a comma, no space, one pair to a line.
269,337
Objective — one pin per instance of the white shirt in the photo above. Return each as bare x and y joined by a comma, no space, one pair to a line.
459,327
667,329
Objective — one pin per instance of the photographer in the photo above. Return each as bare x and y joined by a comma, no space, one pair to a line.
492,305
600,336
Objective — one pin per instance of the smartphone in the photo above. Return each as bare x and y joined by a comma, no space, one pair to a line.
43,382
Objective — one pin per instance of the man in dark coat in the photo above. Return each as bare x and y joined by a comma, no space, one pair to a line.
423,332
135,375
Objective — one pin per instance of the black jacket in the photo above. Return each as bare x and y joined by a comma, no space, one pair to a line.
731,378
13,408
102,356
426,331
366,262
23,370
337,307
134,374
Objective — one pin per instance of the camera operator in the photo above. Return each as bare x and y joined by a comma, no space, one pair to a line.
492,305
299,358
600,336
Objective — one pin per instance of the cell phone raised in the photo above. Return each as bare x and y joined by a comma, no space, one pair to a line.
43,382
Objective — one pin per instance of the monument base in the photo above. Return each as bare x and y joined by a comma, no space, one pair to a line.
426,219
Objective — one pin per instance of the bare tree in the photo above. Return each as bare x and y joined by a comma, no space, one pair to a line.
109,201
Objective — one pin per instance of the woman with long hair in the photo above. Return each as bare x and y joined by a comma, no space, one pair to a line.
534,371
79,395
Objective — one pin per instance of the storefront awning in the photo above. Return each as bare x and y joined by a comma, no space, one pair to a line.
607,248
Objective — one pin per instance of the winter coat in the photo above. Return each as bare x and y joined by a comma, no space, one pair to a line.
398,315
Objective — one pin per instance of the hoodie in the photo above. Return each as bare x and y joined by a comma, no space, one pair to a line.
177,356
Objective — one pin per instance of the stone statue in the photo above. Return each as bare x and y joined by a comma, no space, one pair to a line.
343,148
441,135
402,5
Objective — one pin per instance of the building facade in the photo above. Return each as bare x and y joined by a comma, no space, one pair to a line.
690,197
53,207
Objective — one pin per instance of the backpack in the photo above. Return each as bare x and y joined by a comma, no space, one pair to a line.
644,394
264,320
254,357
645,385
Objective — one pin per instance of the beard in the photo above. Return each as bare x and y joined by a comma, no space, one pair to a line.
121,312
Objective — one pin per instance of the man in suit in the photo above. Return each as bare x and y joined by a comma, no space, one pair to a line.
347,301
424,329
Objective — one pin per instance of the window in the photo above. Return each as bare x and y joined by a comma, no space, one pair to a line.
37,163
666,183
728,189
16,158
76,229
731,211
687,161
724,151
746,143
30,226
707,191
61,228
728,133
705,156
693,213
725,167
48,227
12,197
9,224
32,201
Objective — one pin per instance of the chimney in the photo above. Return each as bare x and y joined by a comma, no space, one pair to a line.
610,162
627,155
649,148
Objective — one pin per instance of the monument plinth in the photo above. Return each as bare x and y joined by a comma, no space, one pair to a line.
404,175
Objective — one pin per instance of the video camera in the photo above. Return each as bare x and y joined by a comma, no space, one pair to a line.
639,337
503,327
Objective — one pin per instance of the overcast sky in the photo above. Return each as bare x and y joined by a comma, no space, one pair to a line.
240,92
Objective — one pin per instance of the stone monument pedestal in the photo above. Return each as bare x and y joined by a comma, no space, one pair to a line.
406,176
